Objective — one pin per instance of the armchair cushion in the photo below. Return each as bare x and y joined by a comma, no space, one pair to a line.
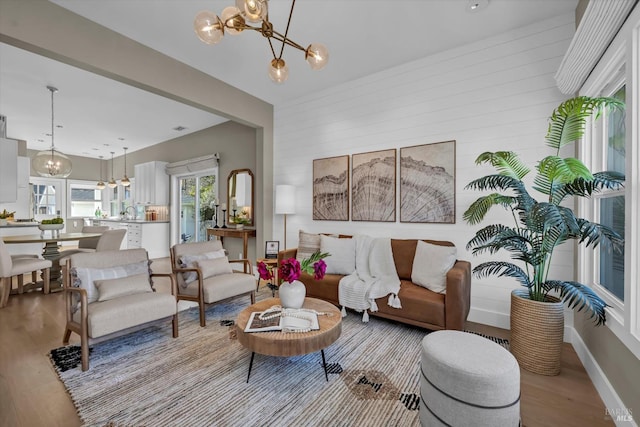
84,277
431,264
122,313
189,261
214,267
123,286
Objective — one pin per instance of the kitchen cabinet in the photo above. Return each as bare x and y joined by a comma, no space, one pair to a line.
150,235
151,183
8,170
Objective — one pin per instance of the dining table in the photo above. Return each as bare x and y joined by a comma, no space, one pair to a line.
50,250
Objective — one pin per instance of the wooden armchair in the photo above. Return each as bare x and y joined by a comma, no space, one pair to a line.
110,293
18,265
204,275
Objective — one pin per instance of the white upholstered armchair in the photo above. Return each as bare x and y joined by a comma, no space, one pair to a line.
204,275
110,293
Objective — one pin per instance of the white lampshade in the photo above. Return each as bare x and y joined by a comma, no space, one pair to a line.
285,199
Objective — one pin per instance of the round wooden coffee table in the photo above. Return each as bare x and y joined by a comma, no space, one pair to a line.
282,344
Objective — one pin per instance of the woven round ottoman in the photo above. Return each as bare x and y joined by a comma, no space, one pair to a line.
468,380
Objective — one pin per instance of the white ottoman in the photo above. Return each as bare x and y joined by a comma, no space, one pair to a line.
468,380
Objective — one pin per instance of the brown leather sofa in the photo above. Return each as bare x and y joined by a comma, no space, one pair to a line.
420,306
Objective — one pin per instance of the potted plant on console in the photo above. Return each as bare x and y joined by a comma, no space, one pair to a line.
537,318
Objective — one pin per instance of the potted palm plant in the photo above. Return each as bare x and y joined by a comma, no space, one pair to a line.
537,317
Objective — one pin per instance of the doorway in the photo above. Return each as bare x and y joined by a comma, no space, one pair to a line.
196,205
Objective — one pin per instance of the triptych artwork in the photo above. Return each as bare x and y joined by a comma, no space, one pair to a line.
427,185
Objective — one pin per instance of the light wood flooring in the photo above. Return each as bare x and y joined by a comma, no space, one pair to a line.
31,394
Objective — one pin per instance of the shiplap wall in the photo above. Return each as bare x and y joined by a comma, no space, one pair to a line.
494,94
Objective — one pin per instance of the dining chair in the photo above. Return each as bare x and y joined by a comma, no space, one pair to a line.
19,265
204,274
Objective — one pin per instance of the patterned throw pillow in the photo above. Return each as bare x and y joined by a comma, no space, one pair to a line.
130,285
308,244
431,264
189,261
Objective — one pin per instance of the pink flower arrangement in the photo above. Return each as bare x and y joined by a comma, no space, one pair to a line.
291,269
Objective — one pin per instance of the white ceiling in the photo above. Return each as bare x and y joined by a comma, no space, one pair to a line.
363,36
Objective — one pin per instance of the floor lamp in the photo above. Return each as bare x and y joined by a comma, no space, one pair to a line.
285,204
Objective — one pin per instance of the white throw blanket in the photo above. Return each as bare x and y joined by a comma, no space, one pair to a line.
375,277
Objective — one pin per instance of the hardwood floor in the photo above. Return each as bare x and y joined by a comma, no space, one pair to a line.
31,394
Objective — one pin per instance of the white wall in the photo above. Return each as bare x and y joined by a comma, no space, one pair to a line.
494,94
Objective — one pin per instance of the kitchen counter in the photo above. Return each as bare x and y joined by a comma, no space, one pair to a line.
12,224
129,221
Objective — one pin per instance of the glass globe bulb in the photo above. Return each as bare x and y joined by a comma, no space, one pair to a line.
278,71
51,163
101,185
208,27
112,183
125,181
232,20
317,55
252,10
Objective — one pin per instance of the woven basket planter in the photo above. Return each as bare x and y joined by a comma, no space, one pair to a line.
537,330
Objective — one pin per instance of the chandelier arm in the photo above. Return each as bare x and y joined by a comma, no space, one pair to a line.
286,31
288,41
273,52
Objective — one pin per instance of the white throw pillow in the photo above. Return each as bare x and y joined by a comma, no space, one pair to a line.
123,286
342,254
85,277
214,267
308,244
189,261
431,264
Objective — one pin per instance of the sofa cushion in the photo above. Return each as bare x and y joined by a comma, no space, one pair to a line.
189,261
84,277
214,267
123,286
342,258
418,305
308,244
431,264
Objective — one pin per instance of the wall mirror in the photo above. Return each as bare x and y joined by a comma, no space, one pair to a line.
240,201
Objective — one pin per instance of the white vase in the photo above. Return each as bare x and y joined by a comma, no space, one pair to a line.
292,294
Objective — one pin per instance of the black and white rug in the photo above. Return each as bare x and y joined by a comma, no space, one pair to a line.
199,379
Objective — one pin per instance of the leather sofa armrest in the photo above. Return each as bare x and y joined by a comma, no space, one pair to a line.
286,254
458,296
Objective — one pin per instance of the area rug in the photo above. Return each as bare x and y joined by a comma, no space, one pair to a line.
199,379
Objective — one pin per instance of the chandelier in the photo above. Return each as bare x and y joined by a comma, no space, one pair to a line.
51,163
210,29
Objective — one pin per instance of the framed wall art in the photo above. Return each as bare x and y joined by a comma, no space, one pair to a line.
331,188
373,186
427,183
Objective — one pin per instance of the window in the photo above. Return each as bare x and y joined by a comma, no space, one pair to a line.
84,199
610,205
612,143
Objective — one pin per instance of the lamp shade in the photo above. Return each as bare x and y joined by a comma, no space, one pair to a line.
285,199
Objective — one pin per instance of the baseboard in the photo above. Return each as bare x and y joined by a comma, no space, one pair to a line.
604,388
488,317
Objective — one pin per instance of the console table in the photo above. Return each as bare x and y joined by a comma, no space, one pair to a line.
242,233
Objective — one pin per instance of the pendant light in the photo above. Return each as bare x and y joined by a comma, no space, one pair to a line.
125,181
100,185
51,163
112,182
